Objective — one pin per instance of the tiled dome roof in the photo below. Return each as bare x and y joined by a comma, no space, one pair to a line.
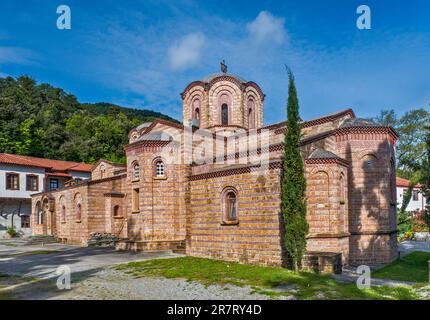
212,76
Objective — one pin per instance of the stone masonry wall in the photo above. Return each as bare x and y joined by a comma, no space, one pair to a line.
256,238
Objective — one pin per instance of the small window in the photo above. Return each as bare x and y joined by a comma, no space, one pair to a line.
415,195
224,114
32,183
197,114
63,213
230,206
12,181
78,212
159,169
39,214
25,222
53,184
135,201
102,171
116,211
136,170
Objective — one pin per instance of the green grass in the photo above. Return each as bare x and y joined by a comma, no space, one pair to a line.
30,253
413,267
263,280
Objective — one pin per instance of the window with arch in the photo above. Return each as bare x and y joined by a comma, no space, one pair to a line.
229,203
136,170
39,212
342,189
159,169
63,213
251,114
196,109
117,211
224,114
102,171
369,162
78,212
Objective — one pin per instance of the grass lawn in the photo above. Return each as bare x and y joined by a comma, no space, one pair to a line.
263,280
413,267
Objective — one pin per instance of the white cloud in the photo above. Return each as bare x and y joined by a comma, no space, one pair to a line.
186,53
266,28
15,55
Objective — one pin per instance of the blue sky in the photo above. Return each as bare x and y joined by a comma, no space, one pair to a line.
143,53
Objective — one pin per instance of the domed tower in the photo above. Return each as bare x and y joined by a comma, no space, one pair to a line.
223,102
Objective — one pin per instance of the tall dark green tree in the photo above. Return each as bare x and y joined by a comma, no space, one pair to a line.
293,196
425,181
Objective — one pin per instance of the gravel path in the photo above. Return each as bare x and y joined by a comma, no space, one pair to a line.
117,285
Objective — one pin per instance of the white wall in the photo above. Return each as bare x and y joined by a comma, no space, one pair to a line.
7,222
413,204
82,175
22,171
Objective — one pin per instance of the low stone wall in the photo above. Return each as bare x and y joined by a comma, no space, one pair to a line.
323,262
177,246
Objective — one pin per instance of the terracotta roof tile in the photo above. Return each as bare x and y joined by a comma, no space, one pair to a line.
400,182
54,165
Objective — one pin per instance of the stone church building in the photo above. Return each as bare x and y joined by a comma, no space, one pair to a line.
210,187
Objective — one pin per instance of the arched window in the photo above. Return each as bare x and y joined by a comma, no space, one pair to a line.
224,114
251,114
63,213
230,205
39,213
342,188
136,170
369,162
102,171
196,109
159,168
116,211
78,212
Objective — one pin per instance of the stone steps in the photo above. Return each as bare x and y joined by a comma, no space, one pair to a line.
35,240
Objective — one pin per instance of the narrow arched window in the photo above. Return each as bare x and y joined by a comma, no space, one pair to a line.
159,169
342,188
102,171
78,212
39,214
251,114
63,213
224,114
136,170
197,114
230,206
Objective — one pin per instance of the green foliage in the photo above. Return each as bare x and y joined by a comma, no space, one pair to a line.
43,121
412,138
425,177
293,195
11,231
413,267
271,281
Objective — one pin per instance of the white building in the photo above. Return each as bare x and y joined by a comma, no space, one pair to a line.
417,202
21,176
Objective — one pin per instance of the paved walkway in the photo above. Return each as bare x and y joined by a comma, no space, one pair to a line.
22,260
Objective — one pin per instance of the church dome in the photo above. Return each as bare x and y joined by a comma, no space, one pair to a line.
213,76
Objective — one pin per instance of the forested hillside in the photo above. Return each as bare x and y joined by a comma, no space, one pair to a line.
43,121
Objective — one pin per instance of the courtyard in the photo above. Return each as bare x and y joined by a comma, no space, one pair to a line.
29,272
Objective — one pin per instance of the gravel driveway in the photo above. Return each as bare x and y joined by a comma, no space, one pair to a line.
33,276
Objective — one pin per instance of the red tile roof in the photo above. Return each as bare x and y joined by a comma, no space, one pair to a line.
400,182
54,165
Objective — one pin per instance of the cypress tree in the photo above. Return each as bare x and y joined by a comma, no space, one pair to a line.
293,192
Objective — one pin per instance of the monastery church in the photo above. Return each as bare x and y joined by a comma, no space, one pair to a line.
203,189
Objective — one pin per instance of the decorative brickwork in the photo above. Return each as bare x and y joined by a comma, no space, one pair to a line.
225,203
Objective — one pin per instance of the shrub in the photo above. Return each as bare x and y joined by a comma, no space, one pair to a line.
11,231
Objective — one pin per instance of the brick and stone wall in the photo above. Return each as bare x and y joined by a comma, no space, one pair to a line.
256,237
